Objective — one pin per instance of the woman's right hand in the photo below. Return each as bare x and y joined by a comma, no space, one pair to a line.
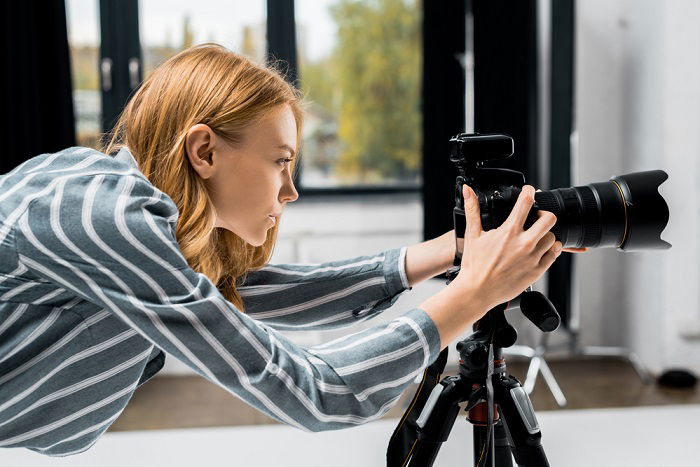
501,263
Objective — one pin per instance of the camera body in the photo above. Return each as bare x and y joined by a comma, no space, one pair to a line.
496,189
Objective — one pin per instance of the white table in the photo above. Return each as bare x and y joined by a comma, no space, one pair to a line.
651,436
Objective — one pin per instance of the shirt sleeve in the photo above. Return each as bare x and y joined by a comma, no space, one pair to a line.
325,296
110,240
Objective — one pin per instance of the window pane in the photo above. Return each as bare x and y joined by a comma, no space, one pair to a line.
360,68
169,26
84,41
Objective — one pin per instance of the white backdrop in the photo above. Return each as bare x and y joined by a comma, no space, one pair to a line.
638,108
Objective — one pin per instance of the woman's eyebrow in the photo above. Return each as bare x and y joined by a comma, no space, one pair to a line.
288,148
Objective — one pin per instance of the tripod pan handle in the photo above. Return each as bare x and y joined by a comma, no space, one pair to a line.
538,309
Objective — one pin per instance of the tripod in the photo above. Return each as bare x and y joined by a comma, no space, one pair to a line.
498,406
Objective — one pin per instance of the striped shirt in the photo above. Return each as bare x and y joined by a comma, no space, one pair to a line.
94,291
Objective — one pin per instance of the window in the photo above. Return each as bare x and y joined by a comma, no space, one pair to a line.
360,70
168,26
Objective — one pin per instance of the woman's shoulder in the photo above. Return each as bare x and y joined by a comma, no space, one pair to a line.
88,161
77,175
72,162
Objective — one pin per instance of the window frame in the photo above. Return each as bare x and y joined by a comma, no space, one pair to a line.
120,67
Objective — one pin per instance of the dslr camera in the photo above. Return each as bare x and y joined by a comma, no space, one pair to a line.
626,212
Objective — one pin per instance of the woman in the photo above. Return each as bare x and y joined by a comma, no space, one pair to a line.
108,261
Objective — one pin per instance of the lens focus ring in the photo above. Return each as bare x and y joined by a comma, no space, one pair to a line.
590,219
546,201
578,219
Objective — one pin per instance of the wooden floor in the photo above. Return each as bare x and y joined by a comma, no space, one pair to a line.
168,402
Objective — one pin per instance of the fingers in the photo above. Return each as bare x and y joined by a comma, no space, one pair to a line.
544,223
549,248
547,242
548,259
472,212
522,207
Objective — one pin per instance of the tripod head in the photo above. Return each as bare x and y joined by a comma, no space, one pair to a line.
534,305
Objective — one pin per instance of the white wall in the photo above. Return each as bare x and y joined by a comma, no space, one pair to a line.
638,108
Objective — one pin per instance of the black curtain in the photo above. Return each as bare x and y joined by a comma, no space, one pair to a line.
443,108
505,78
559,284
281,37
36,81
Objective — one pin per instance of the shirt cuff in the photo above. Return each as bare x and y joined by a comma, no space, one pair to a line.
395,270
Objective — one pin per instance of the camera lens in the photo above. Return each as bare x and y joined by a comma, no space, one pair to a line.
626,212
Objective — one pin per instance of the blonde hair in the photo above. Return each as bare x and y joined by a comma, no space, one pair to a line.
211,85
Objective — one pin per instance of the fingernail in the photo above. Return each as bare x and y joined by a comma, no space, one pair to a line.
557,248
466,192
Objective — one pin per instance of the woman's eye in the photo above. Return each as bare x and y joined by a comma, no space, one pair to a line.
283,161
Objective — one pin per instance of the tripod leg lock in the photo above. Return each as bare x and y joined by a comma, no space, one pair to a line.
429,405
525,409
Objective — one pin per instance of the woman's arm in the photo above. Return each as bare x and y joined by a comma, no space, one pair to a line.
430,258
329,295
107,239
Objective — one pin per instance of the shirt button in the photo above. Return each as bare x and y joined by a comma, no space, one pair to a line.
273,368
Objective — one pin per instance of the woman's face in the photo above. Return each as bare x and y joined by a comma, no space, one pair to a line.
250,183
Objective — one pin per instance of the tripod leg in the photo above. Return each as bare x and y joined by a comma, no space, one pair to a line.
521,422
437,418
639,367
483,448
499,451
427,448
503,455
553,385
532,372
632,357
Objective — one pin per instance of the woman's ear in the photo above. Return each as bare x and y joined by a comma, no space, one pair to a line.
199,146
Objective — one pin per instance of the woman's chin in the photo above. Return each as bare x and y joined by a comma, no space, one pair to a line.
255,239
256,242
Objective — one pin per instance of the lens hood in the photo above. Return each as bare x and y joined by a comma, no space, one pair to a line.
646,210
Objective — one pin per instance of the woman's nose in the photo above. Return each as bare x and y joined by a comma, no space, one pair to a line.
289,193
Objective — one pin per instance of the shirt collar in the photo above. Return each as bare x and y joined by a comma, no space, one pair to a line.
124,155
